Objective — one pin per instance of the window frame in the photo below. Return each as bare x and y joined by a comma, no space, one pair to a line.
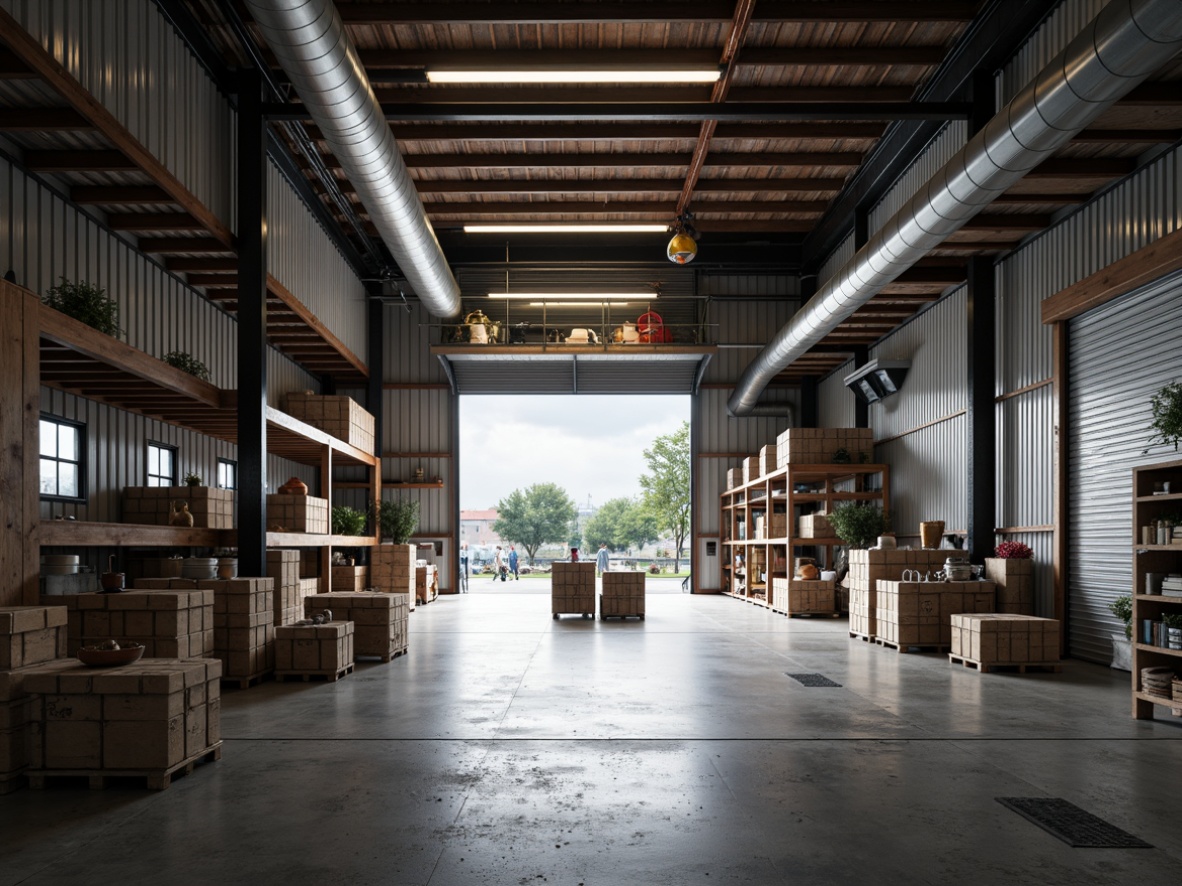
81,462
233,467
148,475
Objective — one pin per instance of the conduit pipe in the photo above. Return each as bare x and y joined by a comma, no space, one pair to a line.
1124,44
311,44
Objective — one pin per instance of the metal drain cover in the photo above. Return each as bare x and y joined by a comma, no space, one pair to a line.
1074,826
813,680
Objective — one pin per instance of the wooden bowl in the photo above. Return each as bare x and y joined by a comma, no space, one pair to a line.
93,657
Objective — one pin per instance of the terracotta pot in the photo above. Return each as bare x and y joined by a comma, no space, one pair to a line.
113,581
931,532
294,486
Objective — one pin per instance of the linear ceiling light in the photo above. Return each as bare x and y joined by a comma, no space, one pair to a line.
701,75
566,229
578,304
584,296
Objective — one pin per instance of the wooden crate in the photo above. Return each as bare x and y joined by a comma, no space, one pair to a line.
297,513
1015,584
734,477
794,596
341,417
767,459
324,650
817,446
392,568
572,588
350,578
998,639
621,606
283,568
169,617
243,627
751,469
31,635
867,568
913,613
212,508
144,718
380,621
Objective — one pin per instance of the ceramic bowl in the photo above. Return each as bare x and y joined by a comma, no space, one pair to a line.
93,657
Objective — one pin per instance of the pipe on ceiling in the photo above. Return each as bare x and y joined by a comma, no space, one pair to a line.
1124,44
311,44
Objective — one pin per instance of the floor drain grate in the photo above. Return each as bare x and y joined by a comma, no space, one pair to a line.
813,680
1074,826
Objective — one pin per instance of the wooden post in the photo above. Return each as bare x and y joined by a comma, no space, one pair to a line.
1061,480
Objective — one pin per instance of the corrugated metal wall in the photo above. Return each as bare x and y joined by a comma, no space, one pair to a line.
129,58
1059,29
743,328
1120,355
939,151
301,256
836,406
842,254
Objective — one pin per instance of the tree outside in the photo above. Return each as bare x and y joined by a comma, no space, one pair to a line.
667,485
621,523
541,514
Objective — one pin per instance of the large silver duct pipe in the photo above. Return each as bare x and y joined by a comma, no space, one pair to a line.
310,42
1124,44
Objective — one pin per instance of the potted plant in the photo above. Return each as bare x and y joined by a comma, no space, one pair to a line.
397,519
1166,406
187,363
347,521
87,304
1122,644
1011,569
393,565
857,524
192,479
1173,623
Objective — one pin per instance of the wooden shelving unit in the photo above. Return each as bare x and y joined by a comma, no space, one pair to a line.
749,563
1154,558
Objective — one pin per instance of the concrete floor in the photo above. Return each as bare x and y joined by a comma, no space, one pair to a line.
507,748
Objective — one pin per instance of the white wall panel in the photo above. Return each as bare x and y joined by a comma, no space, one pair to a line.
126,54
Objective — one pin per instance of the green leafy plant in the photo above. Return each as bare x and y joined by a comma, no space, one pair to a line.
348,521
1167,415
841,456
192,479
1122,608
187,363
1172,620
397,519
87,304
856,523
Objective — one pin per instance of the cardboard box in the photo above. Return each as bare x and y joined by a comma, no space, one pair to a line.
774,525
913,613
319,650
867,568
817,446
734,477
621,605
815,526
31,635
1005,638
212,508
350,578
572,588
380,621
795,596
392,568
243,626
169,617
426,583
336,415
751,469
283,568
1015,584
297,513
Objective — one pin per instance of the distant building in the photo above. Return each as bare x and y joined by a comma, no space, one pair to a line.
476,528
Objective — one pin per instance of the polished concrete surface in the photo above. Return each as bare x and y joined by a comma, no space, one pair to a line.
508,748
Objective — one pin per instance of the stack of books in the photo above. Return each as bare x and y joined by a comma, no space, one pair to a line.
1171,585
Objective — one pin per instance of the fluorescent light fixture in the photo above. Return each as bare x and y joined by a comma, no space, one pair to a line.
582,296
700,75
567,229
578,304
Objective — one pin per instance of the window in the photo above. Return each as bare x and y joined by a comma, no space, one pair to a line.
63,468
161,465
227,474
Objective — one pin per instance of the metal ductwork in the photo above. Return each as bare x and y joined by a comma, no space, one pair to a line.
1124,44
310,42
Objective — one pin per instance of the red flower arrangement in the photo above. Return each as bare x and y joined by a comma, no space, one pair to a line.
1013,550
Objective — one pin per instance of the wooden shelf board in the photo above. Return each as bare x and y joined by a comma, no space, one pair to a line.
1170,496
1157,650
308,540
1159,598
83,533
1175,704
1177,549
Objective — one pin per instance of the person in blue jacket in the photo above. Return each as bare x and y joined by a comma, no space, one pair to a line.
513,563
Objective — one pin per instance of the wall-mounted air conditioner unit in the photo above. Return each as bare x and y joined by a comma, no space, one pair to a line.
878,379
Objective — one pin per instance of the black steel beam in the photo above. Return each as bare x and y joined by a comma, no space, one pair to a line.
252,327
986,45
940,111
981,412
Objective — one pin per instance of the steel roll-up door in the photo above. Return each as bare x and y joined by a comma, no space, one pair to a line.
1119,356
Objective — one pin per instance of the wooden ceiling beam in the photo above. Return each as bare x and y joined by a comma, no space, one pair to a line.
621,96
803,159
995,222
182,245
639,131
42,120
92,195
1091,167
79,161
566,207
154,221
1044,199
428,187
1128,136
185,264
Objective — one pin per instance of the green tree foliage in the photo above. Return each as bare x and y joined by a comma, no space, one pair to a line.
667,485
541,514
620,524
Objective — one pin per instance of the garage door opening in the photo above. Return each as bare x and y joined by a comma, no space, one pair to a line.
541,475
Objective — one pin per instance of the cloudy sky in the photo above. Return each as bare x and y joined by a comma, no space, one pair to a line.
588,445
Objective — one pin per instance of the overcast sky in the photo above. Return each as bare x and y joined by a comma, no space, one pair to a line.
588,445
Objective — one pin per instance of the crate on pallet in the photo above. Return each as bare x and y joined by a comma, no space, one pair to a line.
380,621
243,626
283,568
795,596
212,508
337,415
867,568
392,568
818,446
287,512
426,583
349,578
572,588
169,617
324,650
623,594
146,718
919,613
1014,579
1004,639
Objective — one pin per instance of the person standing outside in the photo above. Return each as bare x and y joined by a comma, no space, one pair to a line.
513,563
498,565
601,558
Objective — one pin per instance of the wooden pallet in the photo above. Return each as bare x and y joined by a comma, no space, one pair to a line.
12,781
1053,667
327,676
384,659
155,779
911,647
246,682
811,615
858,635
639,615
